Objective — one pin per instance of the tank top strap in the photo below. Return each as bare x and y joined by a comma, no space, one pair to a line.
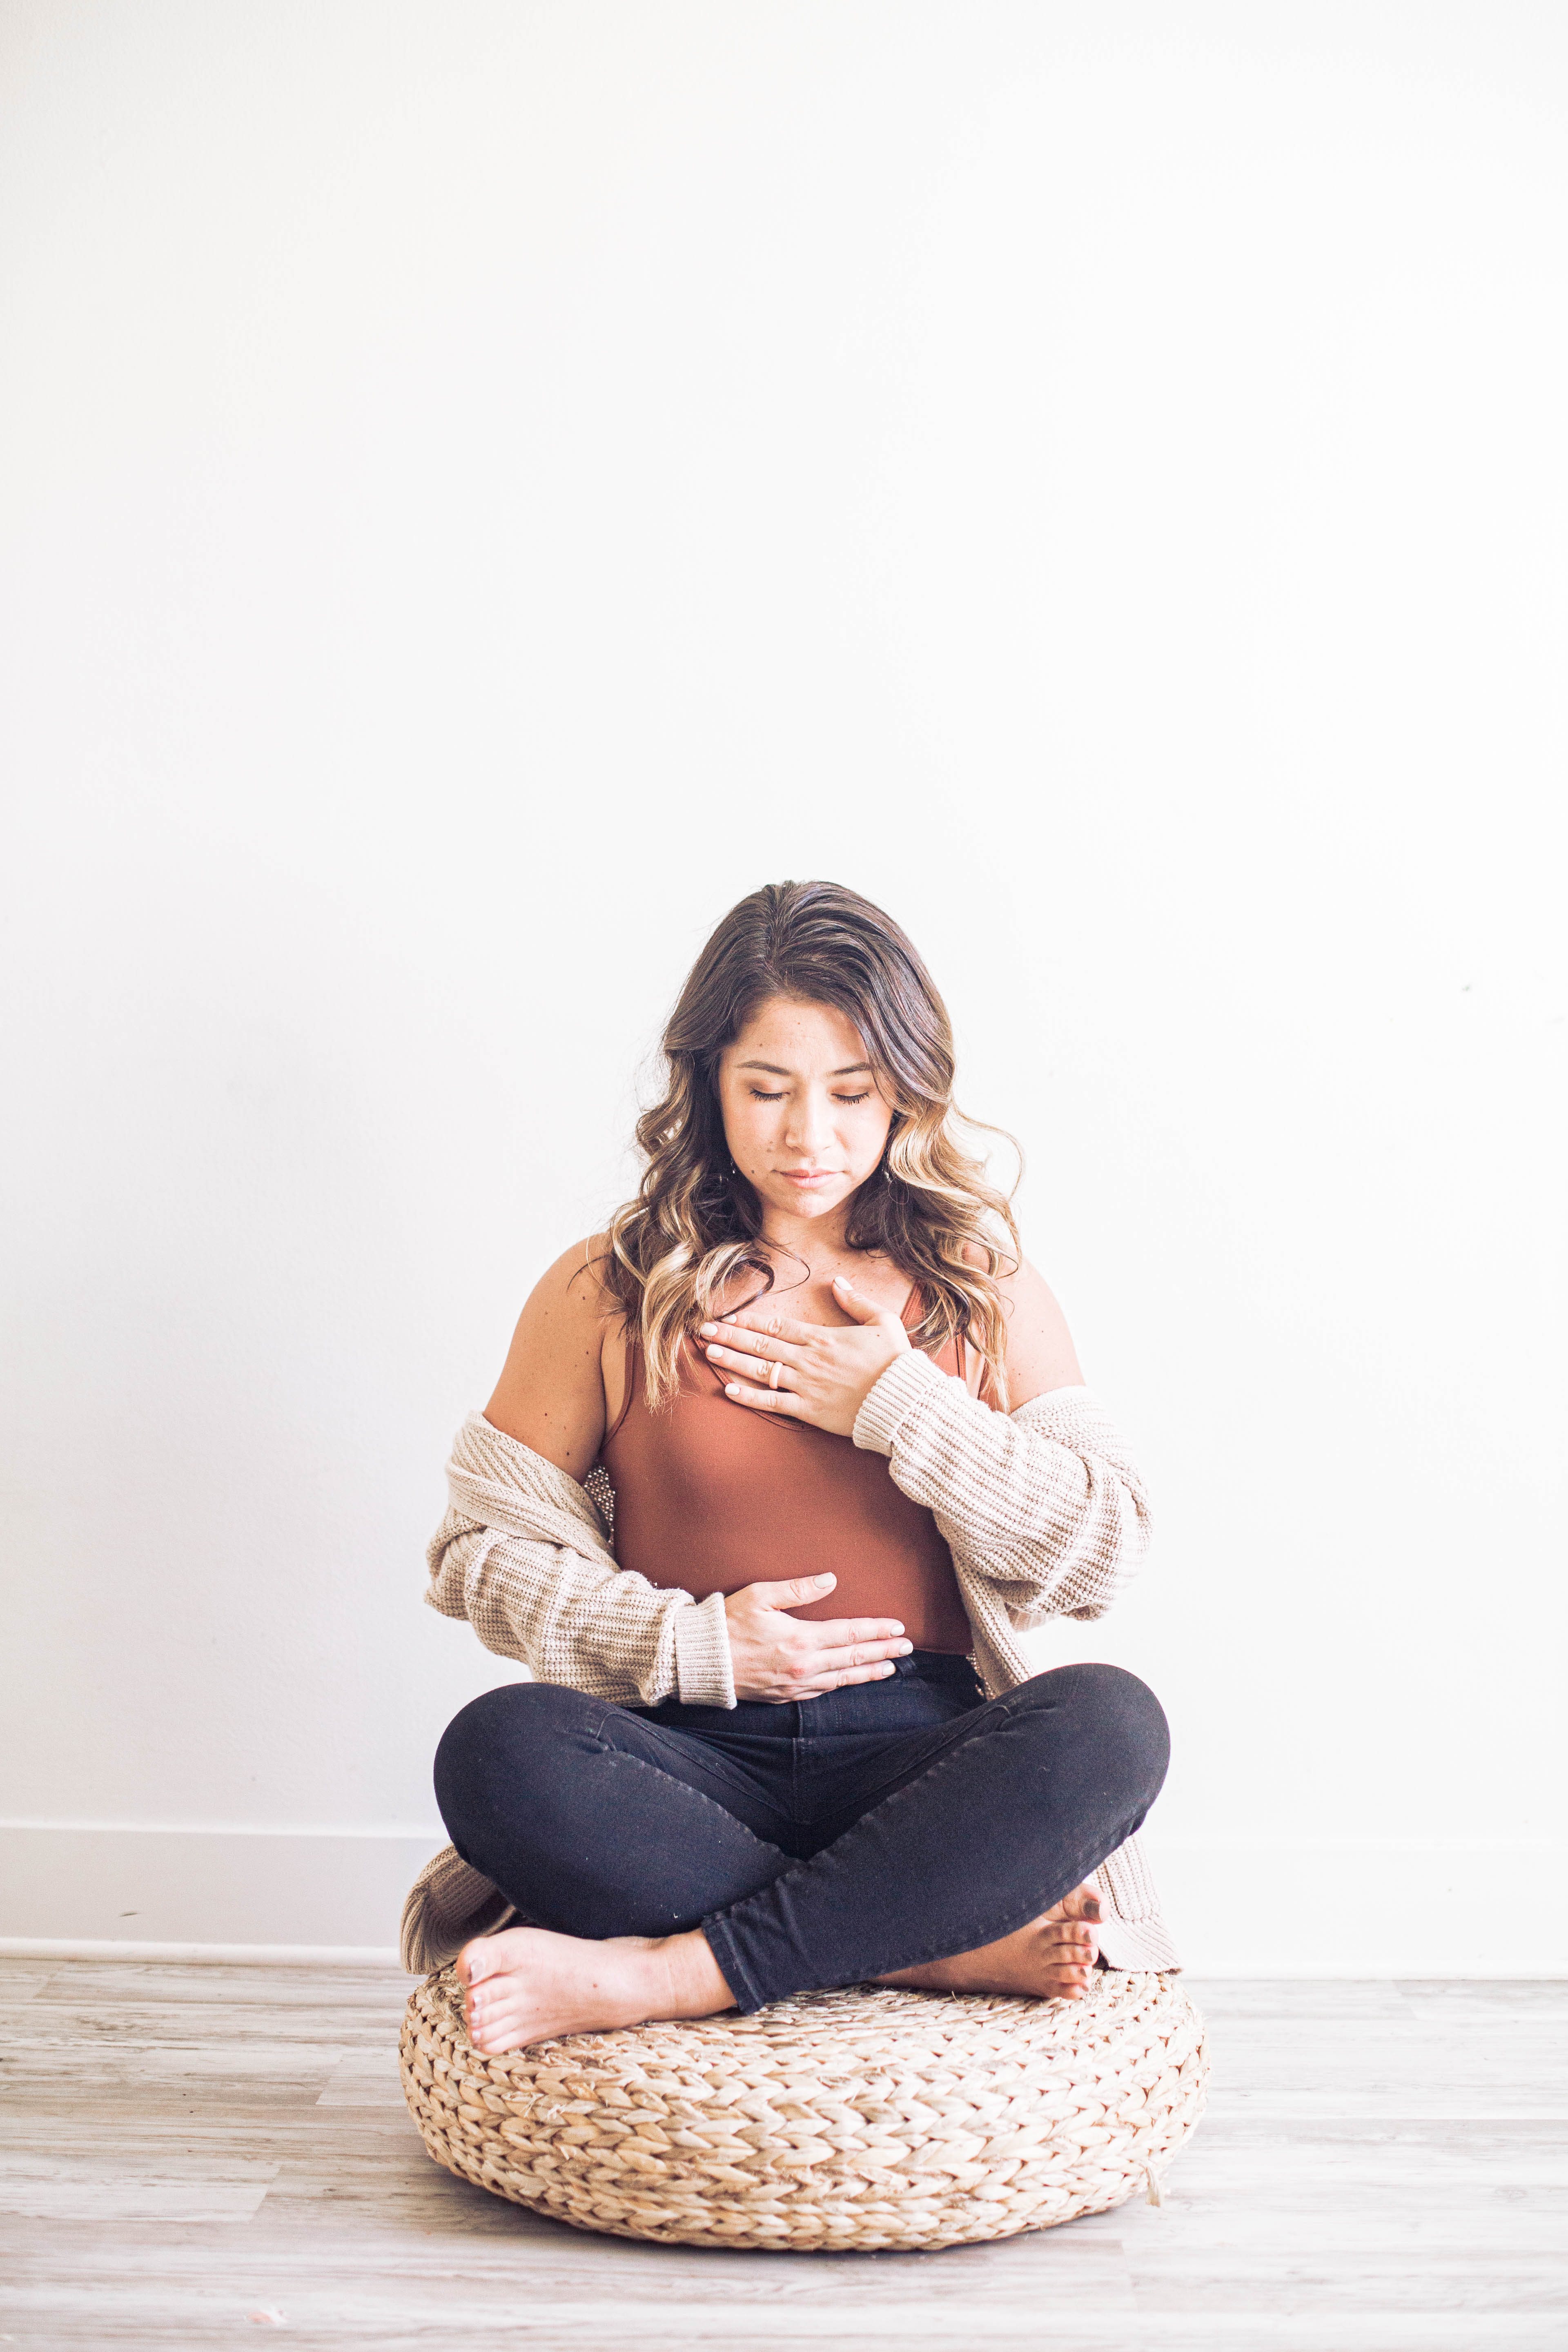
631,1373
967,1362
632,1378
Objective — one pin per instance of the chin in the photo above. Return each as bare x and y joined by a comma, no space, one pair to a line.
815,1205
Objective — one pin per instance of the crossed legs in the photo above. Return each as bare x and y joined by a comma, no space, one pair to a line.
642,1856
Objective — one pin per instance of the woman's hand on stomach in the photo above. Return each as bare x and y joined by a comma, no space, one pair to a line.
778,1657
819,1373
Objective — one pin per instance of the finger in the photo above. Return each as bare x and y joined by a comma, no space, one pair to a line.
748,1349
841,1631
770,1327
794,1591
755,1368
824,1683
830,1640
849,1298
762,1400
856,1654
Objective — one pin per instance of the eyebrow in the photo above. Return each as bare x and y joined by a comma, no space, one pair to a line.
850,1069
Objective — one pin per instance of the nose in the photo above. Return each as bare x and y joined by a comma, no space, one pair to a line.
809,1129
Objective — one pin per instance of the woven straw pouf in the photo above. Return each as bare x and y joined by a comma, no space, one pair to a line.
854,2120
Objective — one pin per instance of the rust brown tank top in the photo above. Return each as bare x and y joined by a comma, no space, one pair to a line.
710,1496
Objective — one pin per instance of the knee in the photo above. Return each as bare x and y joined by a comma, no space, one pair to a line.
500,1736
1118,1714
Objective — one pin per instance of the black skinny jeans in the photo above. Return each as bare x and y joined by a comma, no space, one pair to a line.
815,1843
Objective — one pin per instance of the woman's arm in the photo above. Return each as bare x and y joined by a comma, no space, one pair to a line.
551,1393
1040,1353
1043,1504
520,1554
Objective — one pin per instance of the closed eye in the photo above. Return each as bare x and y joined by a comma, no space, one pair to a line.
847,1100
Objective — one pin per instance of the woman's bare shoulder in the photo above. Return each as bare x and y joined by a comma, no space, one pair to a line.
551,1393
1040,1352
569,1302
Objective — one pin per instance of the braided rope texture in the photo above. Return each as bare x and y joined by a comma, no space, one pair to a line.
863,2119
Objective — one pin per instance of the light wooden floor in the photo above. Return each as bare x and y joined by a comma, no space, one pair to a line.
194,2155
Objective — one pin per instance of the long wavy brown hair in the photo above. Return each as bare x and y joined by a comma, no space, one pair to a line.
696,1223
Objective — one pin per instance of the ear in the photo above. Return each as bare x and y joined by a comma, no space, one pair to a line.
849,1298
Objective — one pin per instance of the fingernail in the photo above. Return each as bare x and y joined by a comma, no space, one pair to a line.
708,1329
905,1649
822,1579
731,1388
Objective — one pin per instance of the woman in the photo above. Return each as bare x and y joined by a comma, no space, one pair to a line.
783,1738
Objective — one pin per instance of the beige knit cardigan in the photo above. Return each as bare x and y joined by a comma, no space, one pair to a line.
1042,1510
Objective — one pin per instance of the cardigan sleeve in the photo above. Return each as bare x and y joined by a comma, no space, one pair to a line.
1044,1502
607,1632
563,1608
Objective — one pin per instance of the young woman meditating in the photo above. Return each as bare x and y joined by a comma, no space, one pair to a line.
783,1736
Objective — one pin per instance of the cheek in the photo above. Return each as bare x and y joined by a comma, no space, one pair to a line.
745,1124
865,1143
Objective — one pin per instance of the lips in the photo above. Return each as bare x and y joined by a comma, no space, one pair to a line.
808,1175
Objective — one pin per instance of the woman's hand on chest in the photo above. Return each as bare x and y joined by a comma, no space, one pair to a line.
816,1372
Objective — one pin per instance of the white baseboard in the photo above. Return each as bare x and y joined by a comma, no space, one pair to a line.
1397,1907
290,1891
1365,1907
273,1956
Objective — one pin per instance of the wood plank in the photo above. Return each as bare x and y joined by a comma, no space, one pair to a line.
208,1983
1433,2102
364,2078
52,2023
1463,2278
1543,2000
20,1982
407,2307
1293,1998
394,2316
1311,2229
1314,2043
74,2073
83,2188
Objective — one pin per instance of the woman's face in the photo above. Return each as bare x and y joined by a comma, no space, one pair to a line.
804,1116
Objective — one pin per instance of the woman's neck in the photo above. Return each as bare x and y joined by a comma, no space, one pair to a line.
809,1251
818,1241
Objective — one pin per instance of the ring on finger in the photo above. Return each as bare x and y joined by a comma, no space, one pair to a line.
774,1368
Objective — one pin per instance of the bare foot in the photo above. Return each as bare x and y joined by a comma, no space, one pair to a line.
1051,1959
528,1983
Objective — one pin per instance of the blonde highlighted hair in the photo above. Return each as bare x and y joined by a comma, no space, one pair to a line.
695,1224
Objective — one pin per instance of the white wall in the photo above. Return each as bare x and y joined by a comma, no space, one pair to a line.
486,486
